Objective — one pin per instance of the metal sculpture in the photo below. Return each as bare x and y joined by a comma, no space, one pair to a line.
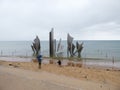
70,46
79,48
51,43
36,47
59,52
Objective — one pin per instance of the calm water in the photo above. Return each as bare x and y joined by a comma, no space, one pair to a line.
92,49
102,53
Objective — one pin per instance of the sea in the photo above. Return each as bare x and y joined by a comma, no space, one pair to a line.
92,49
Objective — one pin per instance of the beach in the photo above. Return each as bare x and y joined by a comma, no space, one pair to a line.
59,44
26,75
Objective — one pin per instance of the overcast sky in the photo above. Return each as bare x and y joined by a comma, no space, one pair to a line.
83,19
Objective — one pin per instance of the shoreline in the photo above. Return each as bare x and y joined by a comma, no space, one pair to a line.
87,62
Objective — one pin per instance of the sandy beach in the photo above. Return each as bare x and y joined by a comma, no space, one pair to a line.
27,76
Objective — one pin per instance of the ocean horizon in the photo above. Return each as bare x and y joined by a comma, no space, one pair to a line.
103,49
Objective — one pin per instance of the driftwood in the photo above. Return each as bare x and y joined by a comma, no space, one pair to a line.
36,46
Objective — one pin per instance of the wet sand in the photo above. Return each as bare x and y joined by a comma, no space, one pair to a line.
56,78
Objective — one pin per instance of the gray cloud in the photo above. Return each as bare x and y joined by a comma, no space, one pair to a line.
84,19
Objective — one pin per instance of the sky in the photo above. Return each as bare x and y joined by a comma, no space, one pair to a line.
82,19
